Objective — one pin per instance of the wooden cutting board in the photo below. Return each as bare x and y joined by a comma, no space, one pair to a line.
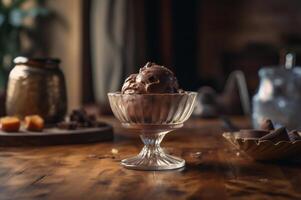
55,136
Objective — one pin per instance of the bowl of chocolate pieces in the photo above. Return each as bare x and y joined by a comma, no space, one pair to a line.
266,143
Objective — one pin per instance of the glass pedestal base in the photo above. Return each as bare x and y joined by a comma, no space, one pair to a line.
152,156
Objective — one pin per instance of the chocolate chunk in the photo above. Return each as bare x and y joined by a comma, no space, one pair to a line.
293,135
267,124
78,116
277,135
80,119
67,125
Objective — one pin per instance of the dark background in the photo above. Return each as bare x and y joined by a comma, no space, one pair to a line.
204,40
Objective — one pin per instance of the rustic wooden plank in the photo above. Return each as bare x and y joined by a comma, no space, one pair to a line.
214,170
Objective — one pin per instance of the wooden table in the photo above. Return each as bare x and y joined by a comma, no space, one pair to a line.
214,170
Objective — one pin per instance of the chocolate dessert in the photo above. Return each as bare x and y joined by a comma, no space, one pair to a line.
152,78
152,104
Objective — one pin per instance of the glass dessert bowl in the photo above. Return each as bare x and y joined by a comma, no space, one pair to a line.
153,115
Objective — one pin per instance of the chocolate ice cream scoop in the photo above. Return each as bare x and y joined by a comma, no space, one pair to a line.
130,86
152,78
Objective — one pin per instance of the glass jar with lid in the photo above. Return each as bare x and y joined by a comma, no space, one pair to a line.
37,86
278,97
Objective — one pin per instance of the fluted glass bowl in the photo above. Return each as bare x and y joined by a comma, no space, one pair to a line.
154,115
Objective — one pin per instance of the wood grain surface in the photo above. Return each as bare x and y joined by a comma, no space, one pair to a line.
214,170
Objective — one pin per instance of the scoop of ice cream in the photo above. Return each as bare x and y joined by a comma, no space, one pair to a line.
130,86
152,78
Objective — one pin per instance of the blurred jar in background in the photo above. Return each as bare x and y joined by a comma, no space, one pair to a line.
278,97
37,86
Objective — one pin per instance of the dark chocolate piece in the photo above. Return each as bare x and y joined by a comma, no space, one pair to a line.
80,119
277,135
79,115
267,124
293,135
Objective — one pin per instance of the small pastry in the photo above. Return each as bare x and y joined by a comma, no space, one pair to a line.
277,135
34,123
10,124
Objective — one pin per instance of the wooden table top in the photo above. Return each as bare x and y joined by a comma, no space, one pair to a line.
214,170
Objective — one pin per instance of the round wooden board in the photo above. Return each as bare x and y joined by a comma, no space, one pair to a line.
55,136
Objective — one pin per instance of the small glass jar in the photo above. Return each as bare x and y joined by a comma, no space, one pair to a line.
278,97
37,86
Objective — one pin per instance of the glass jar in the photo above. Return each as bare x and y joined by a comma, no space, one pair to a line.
37,86
278,97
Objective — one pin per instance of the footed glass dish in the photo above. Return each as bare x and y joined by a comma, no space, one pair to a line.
153,115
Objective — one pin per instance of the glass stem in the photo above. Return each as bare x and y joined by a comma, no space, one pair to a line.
152,146
152,156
